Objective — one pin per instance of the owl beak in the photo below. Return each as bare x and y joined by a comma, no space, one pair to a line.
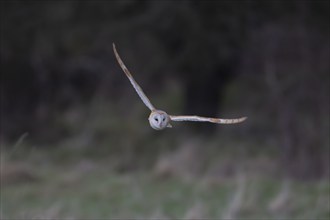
169,126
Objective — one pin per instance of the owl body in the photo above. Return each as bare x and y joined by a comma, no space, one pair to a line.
159,119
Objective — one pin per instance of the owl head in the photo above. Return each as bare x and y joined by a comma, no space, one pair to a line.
159,120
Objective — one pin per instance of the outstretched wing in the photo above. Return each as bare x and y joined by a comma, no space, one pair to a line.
136,86
205,119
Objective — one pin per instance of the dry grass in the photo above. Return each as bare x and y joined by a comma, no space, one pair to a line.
91,188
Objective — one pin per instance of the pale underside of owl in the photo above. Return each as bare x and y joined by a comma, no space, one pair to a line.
159,119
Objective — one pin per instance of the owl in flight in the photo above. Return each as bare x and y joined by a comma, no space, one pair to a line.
159,119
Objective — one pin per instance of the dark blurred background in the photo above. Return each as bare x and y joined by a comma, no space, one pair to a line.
68,109
269,60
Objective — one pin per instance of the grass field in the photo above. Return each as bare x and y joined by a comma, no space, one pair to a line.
46,187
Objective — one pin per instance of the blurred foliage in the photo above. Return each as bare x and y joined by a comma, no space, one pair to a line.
268,60
55,188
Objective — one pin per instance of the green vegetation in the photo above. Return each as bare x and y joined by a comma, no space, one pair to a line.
47,185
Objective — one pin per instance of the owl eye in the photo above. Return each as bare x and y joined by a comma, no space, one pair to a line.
163,119
156,119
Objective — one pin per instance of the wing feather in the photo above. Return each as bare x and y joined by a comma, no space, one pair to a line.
205,119
136,86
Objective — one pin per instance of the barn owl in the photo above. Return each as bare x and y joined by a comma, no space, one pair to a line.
160,120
